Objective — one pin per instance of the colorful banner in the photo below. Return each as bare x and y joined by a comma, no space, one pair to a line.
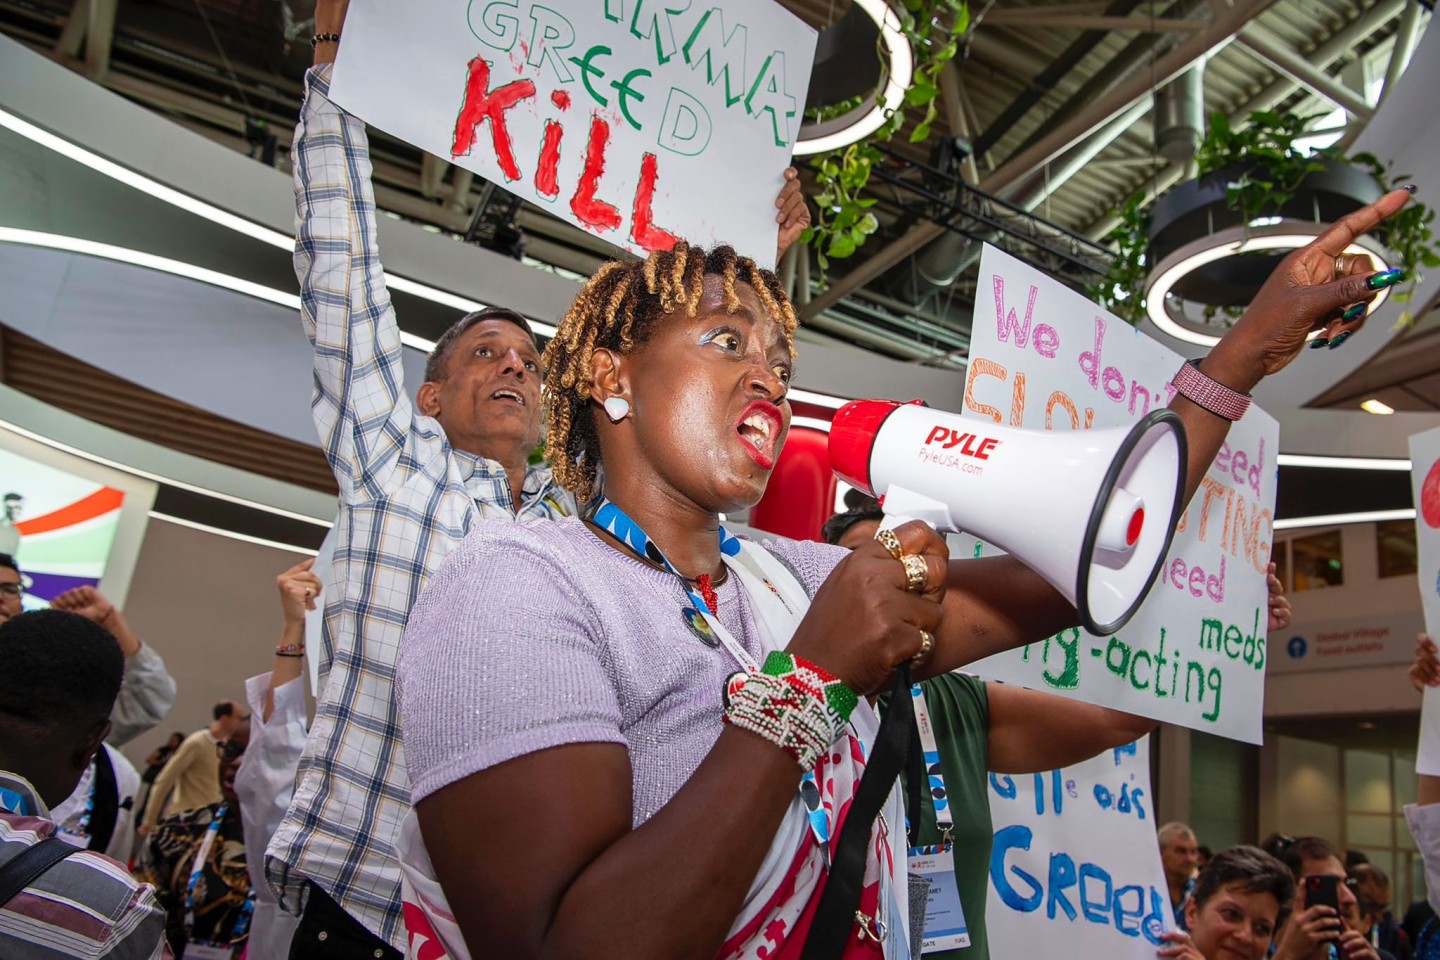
1044,357
58,526
1075,867
638,122
1425,487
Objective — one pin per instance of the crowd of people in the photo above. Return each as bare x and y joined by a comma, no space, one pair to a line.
561,699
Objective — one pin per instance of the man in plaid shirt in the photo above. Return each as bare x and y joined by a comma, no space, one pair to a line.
413,479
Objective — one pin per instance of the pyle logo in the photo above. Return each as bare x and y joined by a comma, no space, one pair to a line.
970,444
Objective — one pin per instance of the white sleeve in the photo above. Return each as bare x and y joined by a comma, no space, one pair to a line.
1425,828
265,782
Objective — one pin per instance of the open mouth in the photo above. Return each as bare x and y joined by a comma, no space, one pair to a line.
759,430
510,395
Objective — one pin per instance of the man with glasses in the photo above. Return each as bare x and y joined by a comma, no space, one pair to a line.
12,588
191,772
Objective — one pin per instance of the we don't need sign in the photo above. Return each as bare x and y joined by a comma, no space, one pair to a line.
639,121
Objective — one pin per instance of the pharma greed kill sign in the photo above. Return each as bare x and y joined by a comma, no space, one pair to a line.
638,121
1044,357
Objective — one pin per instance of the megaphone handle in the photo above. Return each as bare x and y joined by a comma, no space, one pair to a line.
891,521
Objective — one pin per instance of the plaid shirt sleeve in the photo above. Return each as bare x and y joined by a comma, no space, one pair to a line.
358,402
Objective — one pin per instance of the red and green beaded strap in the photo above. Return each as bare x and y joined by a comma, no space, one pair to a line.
796,705
813,679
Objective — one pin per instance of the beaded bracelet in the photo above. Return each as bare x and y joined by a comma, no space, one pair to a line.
793,703
290,650
320,38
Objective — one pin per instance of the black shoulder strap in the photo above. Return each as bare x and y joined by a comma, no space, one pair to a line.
25,869
834,921
106,793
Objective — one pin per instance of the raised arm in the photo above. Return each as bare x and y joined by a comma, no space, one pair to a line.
359,404
148,691
996,604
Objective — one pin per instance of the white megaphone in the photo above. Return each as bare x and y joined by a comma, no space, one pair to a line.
1091,511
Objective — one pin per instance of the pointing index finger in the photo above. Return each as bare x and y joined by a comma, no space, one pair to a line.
1335,240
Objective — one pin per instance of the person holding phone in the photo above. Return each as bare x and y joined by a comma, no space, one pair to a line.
1316,929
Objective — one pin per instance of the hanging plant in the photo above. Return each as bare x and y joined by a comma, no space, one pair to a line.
843,219
1270,171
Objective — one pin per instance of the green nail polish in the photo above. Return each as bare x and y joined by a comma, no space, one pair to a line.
1319,343
1387,279
1355,312
1340,339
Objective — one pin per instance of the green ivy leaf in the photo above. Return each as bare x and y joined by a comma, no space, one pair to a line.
841,246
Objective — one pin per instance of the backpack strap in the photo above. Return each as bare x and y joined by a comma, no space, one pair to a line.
26,868
105,808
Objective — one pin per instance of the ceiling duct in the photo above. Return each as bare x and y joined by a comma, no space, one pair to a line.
1180,116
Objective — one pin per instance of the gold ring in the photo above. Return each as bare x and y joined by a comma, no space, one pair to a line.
927,644
890,542
917,571
1340,266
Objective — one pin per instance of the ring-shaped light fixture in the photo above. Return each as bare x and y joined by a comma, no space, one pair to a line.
876,110
1285,235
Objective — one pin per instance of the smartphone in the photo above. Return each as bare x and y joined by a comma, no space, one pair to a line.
1323,891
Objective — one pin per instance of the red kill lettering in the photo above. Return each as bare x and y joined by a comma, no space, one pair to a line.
482,103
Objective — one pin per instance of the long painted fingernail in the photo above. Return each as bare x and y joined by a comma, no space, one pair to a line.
1319,343
1412,188
1386,279
1340,339
1355,312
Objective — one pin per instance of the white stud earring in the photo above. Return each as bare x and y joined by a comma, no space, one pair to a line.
617,408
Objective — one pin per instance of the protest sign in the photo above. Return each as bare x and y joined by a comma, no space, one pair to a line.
637,121
1044,357
1425,486
1075,868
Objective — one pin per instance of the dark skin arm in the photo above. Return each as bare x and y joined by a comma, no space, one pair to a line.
997,603
1031,732
554,868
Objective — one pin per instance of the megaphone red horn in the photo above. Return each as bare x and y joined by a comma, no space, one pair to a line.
1091,511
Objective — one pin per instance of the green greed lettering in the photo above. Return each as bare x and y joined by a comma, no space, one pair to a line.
1234,643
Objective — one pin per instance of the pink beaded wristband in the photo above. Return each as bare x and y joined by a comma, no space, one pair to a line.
1209,394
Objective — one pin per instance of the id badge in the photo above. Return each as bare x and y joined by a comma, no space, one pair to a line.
945,927
206,951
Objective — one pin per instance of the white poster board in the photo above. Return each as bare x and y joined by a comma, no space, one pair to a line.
1075,869
639,122
1044,357
1425,486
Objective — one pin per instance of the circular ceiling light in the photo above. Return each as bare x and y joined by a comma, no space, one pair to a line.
877,109
1234,242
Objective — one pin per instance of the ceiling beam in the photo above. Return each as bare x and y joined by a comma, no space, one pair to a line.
99,37
1138,86
1343,43
72,35
1281,57
1023,18
1123,97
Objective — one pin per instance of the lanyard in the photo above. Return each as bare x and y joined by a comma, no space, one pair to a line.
944,820
16,803
617,523
242,924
